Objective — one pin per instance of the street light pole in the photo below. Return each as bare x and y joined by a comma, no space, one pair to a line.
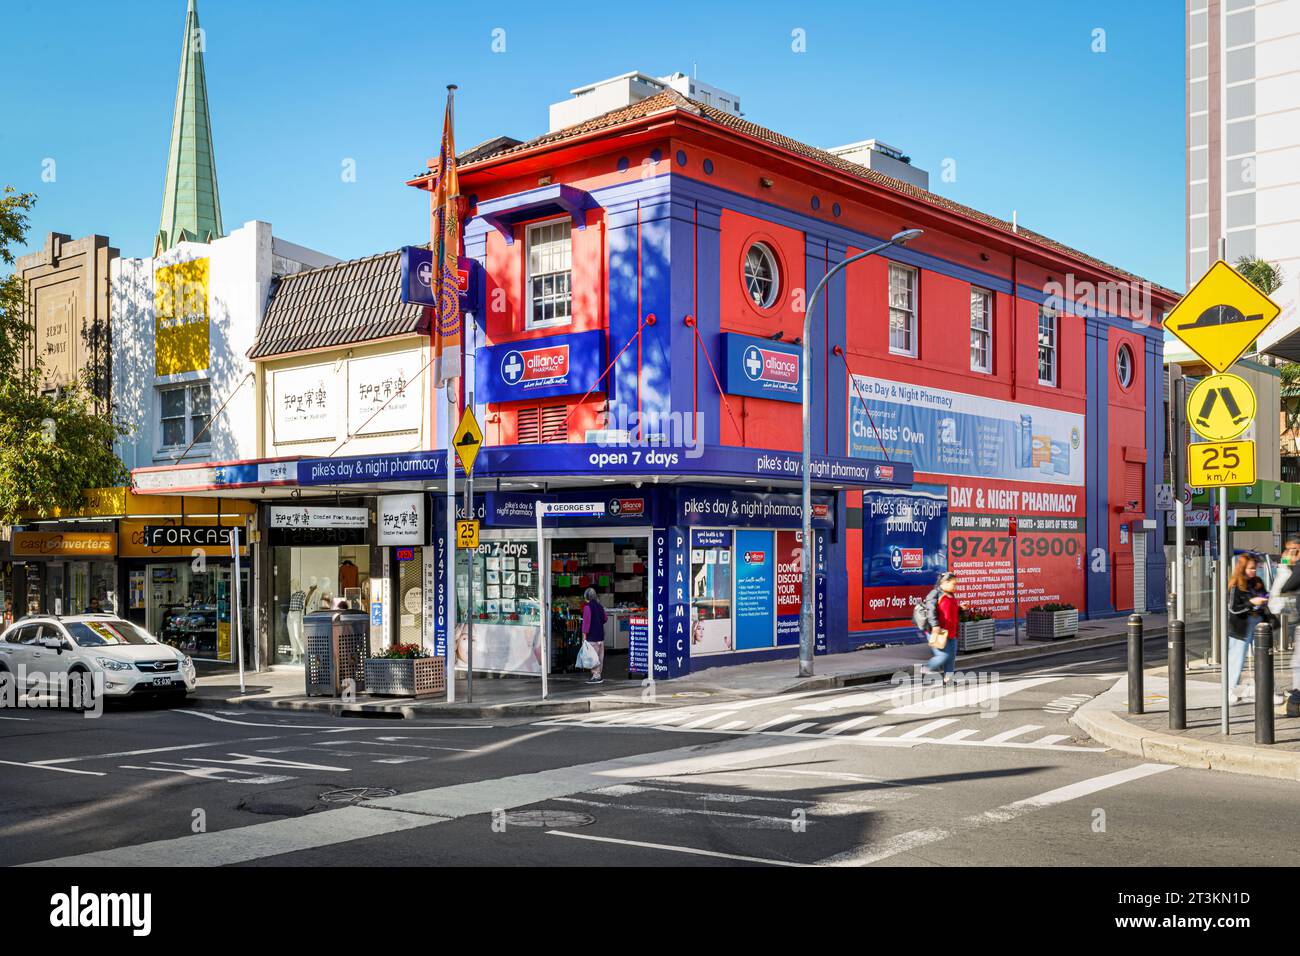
806,607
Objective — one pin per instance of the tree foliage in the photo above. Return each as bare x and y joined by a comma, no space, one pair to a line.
53,445
1265,276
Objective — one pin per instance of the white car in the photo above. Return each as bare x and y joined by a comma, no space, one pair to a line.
120,658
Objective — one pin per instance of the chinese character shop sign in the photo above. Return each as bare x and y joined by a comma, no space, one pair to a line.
402,520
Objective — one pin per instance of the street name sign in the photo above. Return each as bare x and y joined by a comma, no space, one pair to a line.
1221,407
1223,464
1221,315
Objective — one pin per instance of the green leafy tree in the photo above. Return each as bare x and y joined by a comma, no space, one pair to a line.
1265,276
53,445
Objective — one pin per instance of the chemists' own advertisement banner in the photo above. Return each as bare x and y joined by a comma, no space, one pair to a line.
952,433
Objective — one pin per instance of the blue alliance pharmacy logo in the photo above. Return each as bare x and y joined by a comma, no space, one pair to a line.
512,369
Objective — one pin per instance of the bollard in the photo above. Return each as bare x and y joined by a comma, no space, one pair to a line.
1135,696
1177,676
1263,683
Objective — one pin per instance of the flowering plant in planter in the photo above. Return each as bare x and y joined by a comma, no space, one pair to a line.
976,630
1052,607
972,614
1052,620
403,652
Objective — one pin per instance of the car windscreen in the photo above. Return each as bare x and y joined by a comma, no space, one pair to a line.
106,633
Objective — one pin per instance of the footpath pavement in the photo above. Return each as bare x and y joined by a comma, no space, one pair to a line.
497,698
1202,744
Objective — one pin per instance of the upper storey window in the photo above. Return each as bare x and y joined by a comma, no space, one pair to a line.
550,273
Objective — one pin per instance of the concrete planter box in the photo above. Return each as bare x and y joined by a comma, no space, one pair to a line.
414,677
975,635
1051,625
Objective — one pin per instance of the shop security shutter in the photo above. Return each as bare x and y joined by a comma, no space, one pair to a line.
528,426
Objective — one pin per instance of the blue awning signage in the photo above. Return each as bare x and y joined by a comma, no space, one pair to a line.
417,279
761,368
568,364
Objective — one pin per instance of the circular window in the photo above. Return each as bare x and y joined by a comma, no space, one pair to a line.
762,278
1124,366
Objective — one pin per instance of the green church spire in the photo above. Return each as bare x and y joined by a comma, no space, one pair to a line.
191,207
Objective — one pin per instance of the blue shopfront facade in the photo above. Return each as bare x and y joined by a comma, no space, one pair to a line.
723,547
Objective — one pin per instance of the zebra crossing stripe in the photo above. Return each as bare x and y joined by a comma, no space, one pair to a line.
783,719
877,731
707,718
1013,732
959,735
848,724
925,729
1049,740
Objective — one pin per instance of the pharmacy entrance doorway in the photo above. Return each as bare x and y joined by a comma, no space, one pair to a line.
617,568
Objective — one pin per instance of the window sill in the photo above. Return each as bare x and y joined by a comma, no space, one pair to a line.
553,324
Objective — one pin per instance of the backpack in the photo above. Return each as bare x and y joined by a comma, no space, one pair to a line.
922,611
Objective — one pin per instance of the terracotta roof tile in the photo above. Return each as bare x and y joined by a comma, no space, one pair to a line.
671,100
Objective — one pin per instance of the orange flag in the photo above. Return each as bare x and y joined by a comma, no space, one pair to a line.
447,346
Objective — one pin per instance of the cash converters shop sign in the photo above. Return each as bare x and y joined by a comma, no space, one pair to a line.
191,536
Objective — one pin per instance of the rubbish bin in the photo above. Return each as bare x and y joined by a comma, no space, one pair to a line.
338,643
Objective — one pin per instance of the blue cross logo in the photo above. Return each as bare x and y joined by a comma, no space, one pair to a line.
512,369
895,559
753,362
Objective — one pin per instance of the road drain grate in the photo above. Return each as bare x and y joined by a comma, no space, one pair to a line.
560,819
356,794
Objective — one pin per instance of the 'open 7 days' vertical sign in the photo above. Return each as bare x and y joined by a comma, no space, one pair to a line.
181,317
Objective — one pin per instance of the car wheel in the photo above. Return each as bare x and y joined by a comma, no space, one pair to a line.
81,688
8,688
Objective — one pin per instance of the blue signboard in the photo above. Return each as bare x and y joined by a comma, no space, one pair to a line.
417,279
761,368
755,571
749,508
904,548
568,364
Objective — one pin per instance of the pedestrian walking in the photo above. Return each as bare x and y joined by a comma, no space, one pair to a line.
1282,603
1247,605
942,615
593,632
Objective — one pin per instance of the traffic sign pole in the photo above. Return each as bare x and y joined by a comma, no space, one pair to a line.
1225,556
1180,509
470,605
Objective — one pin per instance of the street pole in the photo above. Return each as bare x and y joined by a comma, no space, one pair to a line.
470,605
1225,556
806,636
449,391
232,595
1180,509
1015,586
543,593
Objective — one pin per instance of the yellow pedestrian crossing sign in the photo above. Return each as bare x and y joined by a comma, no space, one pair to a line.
468,440
1221,315
1221,407
467,535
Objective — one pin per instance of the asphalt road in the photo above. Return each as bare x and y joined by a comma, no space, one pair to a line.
989,773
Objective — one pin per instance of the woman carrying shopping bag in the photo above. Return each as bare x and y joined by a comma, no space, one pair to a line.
592,654
943,635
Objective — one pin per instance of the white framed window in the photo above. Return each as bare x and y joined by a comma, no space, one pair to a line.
981,330
183,412
902,309
1048,327
762,275
550,274
1124,365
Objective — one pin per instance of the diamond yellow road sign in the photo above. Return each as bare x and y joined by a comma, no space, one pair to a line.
1221,316
468,440
1221,464
1221,407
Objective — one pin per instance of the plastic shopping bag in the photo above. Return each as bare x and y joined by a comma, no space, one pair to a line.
587,659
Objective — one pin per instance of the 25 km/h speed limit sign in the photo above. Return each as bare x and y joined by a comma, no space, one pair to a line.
1221,407
1221,464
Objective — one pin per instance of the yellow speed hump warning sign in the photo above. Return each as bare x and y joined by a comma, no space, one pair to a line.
1221,464
1221,407
1221,315
467,441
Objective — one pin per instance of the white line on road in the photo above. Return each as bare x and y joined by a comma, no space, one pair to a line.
772,722
925,729
971,695
798,728
41,766
731,725
906,842
332,728
1050,739
1013,732
673,849
701,721
958,735
848,724
876,731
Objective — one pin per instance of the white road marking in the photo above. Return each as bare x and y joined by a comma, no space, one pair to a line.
707,718
399,759
328,728
772,722
913,839
1013,732
150,750
673,849
958,735
848,724
731,725
15,718
428,807
969,696
797,728
211,773
925,729
875,732
1050,739
42,766
781,823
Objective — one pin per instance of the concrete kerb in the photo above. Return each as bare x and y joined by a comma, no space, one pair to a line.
1102,719
406,708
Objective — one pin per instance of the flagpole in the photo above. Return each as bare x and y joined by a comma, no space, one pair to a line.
451,391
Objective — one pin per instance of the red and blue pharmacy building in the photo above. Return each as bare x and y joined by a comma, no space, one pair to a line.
982,398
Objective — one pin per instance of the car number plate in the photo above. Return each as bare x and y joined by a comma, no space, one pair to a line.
162,681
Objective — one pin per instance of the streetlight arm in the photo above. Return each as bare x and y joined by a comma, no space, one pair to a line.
830,273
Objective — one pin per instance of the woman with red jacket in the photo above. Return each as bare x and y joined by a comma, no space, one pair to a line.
947,612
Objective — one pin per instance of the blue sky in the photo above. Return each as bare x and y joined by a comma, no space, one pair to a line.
1086,146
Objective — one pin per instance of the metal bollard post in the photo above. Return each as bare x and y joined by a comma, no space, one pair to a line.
1177,676
1263,683
1135,696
